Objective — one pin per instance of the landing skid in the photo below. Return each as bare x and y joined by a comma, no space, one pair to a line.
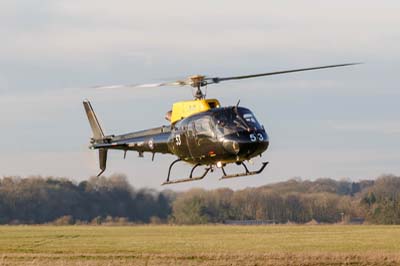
246,173
191,178
207,170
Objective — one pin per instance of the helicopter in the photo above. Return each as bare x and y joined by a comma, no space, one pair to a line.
201,132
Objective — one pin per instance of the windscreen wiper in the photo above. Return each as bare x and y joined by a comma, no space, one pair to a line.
243,123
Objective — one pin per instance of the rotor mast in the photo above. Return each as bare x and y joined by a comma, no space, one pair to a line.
197,82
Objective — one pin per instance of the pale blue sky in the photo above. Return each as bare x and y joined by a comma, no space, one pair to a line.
329,123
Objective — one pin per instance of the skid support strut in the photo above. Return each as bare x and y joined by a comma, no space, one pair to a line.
191,178
246,173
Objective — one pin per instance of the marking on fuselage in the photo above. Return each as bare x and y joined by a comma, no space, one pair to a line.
151,144
178,140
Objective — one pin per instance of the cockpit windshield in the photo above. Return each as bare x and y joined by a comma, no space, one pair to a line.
234,119
250,119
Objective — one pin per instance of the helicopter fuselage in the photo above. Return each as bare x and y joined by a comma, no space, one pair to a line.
217,136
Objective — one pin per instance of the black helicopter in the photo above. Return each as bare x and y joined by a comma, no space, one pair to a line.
201,132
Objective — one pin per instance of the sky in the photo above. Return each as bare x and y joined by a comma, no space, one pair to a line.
338,123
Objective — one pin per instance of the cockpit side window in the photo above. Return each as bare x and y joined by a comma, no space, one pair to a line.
203,127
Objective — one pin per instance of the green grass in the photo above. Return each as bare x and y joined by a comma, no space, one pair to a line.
200,245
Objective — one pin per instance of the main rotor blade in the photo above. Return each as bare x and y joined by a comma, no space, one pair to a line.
149,85
173,83
201,81
217,80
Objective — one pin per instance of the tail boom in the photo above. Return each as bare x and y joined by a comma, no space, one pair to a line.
153,140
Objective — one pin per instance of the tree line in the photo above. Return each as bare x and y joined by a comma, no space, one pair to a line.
38,200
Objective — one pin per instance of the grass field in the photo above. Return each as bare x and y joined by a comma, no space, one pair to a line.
200,245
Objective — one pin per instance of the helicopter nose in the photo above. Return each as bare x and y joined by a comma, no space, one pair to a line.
247,144
253,148
262,142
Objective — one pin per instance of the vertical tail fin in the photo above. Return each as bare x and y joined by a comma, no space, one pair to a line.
98,134
102,160
94,123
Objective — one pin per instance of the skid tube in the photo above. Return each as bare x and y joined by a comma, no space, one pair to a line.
247,173
191,178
